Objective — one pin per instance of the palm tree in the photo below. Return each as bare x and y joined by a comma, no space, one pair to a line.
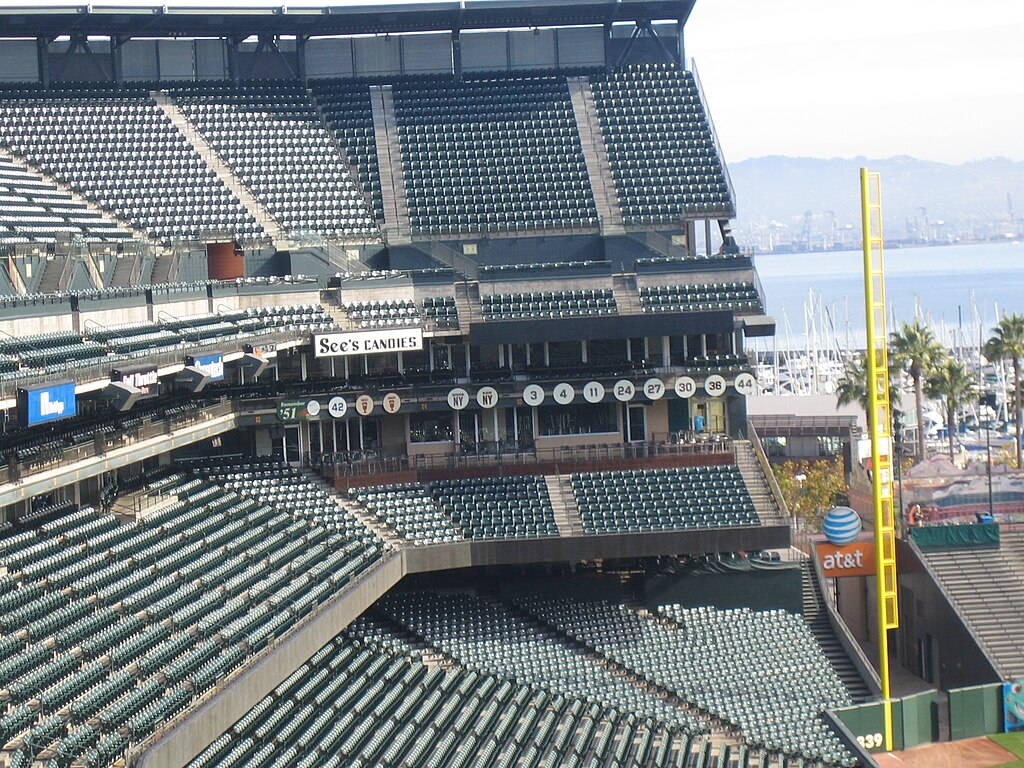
914,348
1007,343
951,381
853,386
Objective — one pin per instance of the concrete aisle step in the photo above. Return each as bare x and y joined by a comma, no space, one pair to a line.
595,155
224,172
563,505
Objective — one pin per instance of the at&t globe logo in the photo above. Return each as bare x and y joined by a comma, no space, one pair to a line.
841,526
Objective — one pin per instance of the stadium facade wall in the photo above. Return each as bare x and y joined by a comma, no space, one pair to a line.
185,59
18,61
758,590
975,711
928,619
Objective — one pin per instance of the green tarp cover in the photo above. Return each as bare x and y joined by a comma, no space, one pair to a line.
981,535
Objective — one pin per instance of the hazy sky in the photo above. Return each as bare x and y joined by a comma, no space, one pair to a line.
828,78
930,78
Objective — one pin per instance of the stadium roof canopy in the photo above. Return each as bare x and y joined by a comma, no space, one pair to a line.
35,20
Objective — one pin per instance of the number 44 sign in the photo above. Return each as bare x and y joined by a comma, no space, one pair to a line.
745,384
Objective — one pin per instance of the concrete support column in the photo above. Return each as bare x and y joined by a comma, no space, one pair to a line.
457,55
43,57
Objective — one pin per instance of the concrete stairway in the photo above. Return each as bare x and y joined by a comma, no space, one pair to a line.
986,587
563,505
389,162
329,302
467,302
227,176
165,268
816,618
386,532
139,504
124,271
757,484
595,154
93,208
54,275
627,295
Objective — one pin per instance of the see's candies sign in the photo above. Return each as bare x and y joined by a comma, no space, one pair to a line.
854,559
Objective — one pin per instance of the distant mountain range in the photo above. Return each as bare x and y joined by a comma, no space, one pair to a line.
921,199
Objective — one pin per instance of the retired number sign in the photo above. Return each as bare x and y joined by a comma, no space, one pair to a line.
593,392
624,390
533,395
685,387
714,385
745,384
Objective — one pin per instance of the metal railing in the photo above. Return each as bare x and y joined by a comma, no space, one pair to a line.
160,357
102,444
504,455
801,538
692,67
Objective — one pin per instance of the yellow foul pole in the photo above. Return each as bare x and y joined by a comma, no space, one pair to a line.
880,428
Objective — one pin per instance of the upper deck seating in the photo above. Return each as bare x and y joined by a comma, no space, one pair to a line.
120,151
345,105
273,139
660,146
492,154
33,209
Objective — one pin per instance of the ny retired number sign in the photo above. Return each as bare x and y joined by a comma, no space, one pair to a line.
368,342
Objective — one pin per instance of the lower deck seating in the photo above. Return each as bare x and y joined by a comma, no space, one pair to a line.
115,627
654,499
272,482
760,670
360,702
492,639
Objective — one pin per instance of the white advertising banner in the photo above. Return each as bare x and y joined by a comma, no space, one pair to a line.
367,342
